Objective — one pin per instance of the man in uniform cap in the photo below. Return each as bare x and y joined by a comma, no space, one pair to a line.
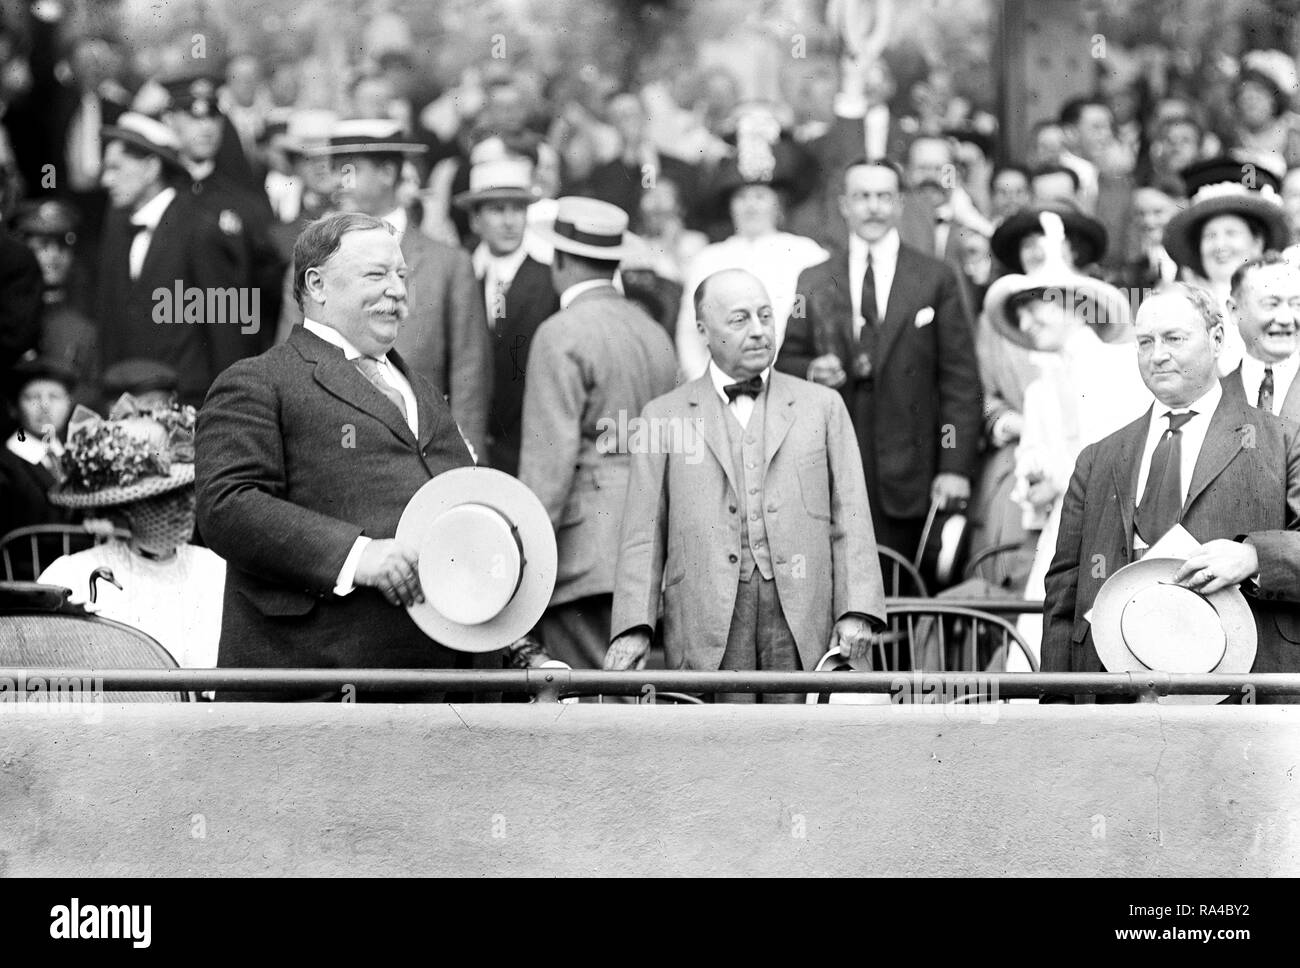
153,384
592,367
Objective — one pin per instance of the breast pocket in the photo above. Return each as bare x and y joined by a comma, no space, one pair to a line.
814,485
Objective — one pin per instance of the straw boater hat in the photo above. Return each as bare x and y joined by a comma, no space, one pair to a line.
145,134
589,228
305,129
133,455
1086,235
499,180
1107,311
368,136
1225,186
1142,622
487,558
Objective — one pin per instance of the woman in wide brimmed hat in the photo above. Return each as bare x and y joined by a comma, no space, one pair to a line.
1266,130
1234,214
1088,386
753,187
139,465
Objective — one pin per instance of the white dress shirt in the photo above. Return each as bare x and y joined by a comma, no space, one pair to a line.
149,215
742,408
398,382
1193,433
884,260
1284,374
497,273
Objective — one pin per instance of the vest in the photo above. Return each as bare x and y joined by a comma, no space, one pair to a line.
747,461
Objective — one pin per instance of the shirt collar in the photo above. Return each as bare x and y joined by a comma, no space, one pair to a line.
335,338
721,380
151,212
1255,368
397,219
573,292
30,448
506,265
886,248
1204,405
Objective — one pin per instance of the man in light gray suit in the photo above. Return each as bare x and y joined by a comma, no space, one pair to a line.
1265,306
445,338
759,543
591,368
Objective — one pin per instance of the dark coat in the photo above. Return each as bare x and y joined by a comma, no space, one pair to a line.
298,455
1246,482
189,248
919,412
20,300
530,299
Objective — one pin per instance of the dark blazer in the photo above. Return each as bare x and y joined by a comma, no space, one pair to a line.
1290,406
20,300
530,299
621,184
187,247
1246,482
919,413
297,455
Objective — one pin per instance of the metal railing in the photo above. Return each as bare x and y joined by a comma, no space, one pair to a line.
551,685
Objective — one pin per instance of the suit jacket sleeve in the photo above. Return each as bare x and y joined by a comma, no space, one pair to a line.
1062,582
855,561
799,348
1279,551
240,477
554,398
960,396
643,544
469,360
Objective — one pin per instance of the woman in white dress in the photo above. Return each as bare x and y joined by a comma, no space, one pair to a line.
1234,214
767,174
1087,388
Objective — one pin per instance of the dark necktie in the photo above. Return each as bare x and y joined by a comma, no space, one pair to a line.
369,368
1266,391
1162,498
745,388
869,295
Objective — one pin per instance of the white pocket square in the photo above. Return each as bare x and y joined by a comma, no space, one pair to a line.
925,317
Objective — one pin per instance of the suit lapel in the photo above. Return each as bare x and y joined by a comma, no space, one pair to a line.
429,415
341,378
778,418
901,296
1223,441
159,242
1291,405
706,405
1126,468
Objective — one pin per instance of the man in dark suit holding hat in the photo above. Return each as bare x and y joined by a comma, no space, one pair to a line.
883,323
446,338
158,243
306,458
1202,458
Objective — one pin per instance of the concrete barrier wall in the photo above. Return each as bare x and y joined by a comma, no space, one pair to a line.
564,790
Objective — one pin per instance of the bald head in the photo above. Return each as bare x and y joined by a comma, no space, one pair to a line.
734,312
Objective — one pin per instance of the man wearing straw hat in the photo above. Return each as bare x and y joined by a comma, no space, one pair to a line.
591,368
1203,458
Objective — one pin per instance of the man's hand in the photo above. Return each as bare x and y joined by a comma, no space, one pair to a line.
1008,428
828,371
391,567
950,491
852,637
1042,494
629,651
1218,564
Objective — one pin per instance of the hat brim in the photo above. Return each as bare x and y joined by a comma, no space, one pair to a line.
366,148
180,476
606,253
514,501
1182,239
466,200
126,136
1111,321
1078,227
1234,613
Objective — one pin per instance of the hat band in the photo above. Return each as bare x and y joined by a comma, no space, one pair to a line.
1234,189
571,232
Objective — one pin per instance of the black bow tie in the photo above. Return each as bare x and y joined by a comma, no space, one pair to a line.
745,388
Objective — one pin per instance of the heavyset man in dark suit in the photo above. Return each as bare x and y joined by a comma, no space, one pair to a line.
766,469
517,292
1265,307
306,458
446,338
902,355
157,241
1235,487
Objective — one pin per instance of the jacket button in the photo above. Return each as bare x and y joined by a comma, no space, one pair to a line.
732,509
733,558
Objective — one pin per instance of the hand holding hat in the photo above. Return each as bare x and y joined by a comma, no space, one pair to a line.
1217,565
